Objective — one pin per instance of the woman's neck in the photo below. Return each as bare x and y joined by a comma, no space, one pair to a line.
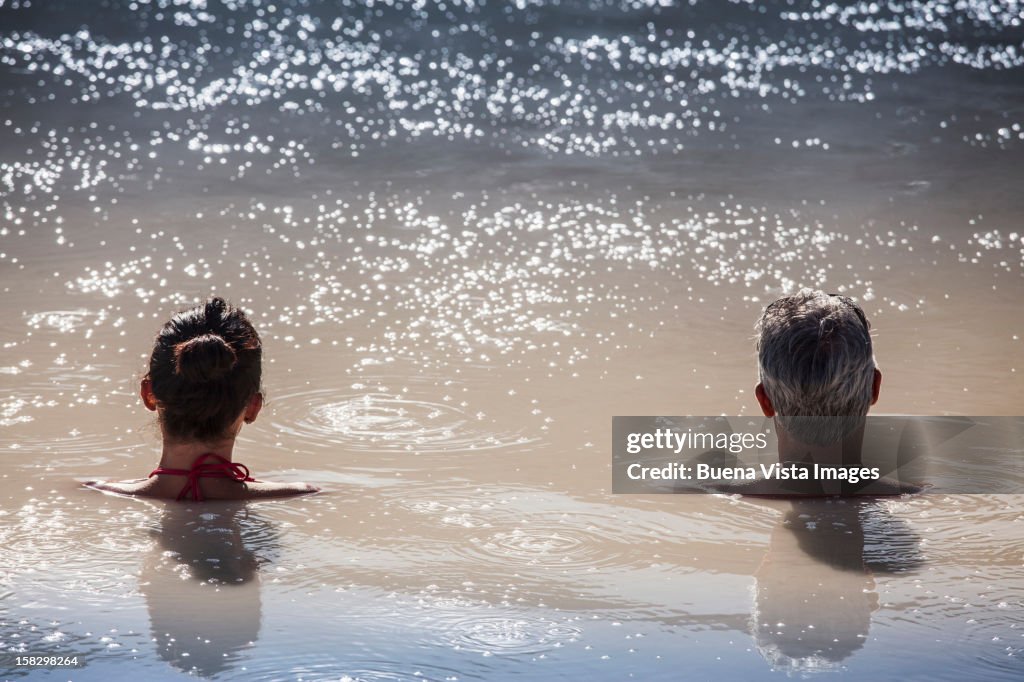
181,455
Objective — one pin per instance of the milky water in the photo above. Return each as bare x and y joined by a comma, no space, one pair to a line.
470,233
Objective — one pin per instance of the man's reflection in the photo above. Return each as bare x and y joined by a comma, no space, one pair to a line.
815,590
201,585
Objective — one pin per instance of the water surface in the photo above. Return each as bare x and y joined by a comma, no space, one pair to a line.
470,233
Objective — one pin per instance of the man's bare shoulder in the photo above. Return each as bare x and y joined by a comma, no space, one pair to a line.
761,487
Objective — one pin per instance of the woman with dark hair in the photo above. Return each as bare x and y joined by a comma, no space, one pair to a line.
204,383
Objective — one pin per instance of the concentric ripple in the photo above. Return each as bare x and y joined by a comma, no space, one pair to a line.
543,544
305,666
63,321
537,546
523,634
382,422
478,627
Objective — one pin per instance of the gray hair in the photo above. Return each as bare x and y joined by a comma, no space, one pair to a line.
816,364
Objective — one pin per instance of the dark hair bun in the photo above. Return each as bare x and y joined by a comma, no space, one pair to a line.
203,358
215,309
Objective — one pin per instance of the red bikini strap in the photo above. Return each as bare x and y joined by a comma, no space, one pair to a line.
203,469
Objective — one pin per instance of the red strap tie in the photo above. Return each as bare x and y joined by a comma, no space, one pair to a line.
202,469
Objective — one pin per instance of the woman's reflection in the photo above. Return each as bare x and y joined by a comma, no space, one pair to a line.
201,584
815,589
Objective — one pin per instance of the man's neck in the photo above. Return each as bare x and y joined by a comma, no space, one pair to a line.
846,452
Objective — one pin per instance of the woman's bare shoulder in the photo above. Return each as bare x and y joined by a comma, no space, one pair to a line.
233,490
138,487
260,489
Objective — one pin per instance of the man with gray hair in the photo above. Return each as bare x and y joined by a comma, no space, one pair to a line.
817,369
818,379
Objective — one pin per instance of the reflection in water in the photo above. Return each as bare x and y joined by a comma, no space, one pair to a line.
201,585
815,589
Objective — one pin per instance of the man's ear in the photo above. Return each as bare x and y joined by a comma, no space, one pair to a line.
764,401
253,409
146,393
876,386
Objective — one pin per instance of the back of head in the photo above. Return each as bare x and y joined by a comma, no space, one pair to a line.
816,364
205,368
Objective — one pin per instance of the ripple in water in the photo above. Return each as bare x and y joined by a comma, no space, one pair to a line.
523,634
305,666
471,506
488,629
105,542
28,429
536,545
521,527
379,672
63,321
547,545
380,422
